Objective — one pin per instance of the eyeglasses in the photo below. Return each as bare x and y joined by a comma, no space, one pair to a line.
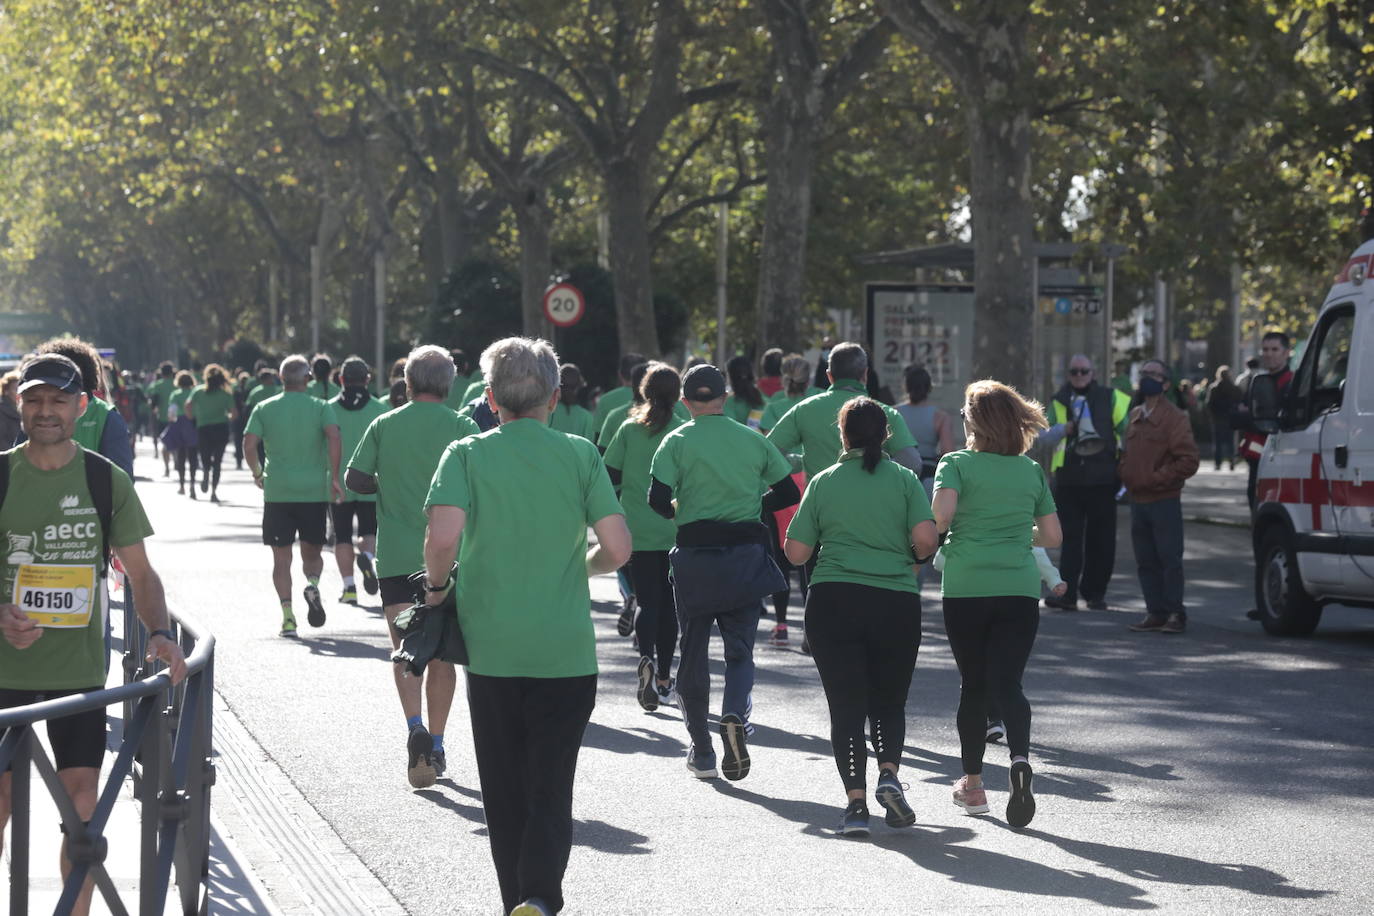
1080,372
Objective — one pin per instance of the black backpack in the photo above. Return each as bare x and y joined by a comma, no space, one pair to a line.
100,483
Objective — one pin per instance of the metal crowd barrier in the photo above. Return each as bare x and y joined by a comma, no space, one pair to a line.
166,748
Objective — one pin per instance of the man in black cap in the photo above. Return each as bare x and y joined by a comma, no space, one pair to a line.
715,477
62,509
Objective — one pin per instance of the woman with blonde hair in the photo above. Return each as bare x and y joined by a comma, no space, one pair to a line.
995,504
211,407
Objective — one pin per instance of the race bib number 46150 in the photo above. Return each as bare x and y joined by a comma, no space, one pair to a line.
56,596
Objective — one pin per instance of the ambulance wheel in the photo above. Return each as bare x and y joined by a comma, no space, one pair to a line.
1286,609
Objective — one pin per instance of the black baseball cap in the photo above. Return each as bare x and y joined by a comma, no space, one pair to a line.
50,369
703,383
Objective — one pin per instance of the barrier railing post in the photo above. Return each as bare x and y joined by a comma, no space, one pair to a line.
19,825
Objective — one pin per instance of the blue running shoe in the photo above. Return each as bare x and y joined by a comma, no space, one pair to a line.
893,800
701,765
855,821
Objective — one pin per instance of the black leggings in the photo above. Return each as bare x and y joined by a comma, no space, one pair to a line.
212,438
991,640
656,624
183,456
864,640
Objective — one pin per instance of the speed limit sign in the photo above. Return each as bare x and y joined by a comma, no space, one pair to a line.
564,305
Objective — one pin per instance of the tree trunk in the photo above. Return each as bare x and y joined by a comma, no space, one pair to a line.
791,138
536,264
630,261
1003,239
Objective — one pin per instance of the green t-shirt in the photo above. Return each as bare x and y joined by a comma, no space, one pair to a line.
814,426
740,411
779,404
988,551
620,414
352,425
529,493
49,521
210,407
573,418
631,451
623,396
718,470
90,426
456,391
160,393
262,393
291,426
323,390
176,405
401,448
862,523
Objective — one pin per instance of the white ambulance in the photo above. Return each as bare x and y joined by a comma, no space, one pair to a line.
1314,522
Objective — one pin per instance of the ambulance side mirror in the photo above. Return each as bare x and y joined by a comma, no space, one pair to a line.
1264,403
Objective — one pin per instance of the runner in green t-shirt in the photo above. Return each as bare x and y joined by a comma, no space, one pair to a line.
617,397
300,435
569,416
872,519
179,437
321,385
746,403
996,504
355,409
812,426
159,396
522,496
395,459
711,476
53,614
628,456
211,407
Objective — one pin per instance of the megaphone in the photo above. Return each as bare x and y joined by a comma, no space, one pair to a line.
1087,441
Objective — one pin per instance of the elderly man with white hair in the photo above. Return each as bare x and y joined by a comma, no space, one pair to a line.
522,496
396,459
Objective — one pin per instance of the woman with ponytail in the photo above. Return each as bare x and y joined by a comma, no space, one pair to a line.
745,403
179,438
863,609
211,406
628,457
322,367
568,415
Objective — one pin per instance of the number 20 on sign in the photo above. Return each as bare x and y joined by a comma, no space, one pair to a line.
564,305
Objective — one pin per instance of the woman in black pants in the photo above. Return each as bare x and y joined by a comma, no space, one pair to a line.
996,504
863,610
211,406
628,456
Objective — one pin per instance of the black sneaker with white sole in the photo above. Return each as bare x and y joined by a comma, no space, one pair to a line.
893,799
315,616
420,769
996,731
1021,805
625,624
647,694
734,763
854,824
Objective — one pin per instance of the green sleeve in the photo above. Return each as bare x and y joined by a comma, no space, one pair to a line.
681,412
254,423
1044,502
467,426
364,457
128,522
600,499
947,474
449,486
603,429
770,416
917,503
785,435
327,415
663,468
775,464
586,431
615,451
805,527
901,433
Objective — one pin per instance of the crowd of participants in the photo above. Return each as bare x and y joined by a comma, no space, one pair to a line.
707,492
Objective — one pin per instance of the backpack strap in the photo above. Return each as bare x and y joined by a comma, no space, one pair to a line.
100,484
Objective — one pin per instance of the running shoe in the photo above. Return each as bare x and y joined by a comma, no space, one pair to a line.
893,800
667,695
315,616
181,490
288,627
535,906
349,596
996,731
1098,604
647,694
626,623
205,486
1151,623
440,762
703,765
973,801
192,492
214,498
855,821
735,766
1021,805
420,752
369,573
779,638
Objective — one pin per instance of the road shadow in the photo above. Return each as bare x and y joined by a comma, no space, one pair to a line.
938,849
338,647
632,741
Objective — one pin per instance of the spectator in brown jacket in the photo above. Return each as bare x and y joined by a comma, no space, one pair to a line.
1160,454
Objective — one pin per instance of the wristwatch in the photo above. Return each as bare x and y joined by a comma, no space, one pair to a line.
443,586
165,634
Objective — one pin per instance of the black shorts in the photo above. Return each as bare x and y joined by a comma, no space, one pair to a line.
77,741
282,522
396,590
344,513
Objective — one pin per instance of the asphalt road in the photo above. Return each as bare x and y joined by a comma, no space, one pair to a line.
1221,770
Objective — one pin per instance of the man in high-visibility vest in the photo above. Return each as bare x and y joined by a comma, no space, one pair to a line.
1274,351
1089,420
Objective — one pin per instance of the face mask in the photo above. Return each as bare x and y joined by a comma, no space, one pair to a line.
1150,387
